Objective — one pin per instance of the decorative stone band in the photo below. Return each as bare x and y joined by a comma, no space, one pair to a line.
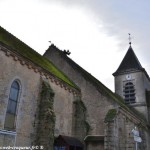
38,69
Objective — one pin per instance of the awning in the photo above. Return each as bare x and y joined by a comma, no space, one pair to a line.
67,140
94,138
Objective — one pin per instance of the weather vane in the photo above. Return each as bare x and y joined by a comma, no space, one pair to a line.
129,39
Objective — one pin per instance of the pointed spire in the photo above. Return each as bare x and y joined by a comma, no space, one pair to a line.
129,62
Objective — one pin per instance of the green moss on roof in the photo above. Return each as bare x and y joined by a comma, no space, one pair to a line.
102,88
27,52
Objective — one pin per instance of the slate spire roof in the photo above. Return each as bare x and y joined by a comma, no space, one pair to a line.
129,62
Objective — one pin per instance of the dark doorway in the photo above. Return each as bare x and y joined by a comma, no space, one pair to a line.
67,143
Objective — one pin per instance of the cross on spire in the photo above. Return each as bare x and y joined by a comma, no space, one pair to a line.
129,39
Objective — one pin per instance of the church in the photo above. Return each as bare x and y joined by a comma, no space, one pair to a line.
50,102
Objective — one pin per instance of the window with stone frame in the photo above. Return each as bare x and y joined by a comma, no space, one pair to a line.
12,106
129,93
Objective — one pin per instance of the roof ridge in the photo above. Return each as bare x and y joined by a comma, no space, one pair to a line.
99,85
1,28
24,50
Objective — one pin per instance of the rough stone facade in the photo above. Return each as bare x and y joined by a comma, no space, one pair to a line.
30,83
132,83
140,87
76,105
93,97
116,134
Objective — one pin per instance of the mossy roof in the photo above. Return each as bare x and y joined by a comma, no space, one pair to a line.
27,52
100,86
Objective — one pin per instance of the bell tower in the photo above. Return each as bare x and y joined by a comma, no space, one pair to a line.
132,83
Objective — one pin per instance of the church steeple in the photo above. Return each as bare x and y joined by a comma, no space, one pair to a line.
129,62
132,82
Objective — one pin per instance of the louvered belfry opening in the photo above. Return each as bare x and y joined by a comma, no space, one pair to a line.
129,93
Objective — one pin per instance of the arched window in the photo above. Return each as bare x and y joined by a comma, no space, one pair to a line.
12,106
129,93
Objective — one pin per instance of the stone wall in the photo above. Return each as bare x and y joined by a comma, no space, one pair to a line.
95,145
95,99
11,70
30,82
118,135
63,108
45,118
80,125
141,83
7,138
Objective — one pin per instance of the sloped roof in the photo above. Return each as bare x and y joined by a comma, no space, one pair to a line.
16,45
130,61
99,86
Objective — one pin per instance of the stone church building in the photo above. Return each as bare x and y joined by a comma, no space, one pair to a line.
50,102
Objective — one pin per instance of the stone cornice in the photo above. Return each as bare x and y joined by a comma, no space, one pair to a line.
38,69
134,118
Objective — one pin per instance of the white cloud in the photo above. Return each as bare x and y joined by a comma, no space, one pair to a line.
96,32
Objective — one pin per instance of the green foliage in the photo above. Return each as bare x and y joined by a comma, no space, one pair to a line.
46,117
24,50
121,102
46,105
111,114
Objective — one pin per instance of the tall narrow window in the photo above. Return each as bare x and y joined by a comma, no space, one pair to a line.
12,106
129,93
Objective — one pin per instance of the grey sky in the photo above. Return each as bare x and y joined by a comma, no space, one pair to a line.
95,31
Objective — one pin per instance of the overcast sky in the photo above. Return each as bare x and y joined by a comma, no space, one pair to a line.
94,31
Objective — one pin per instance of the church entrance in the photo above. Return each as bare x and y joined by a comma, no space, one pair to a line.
67,143
94,142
